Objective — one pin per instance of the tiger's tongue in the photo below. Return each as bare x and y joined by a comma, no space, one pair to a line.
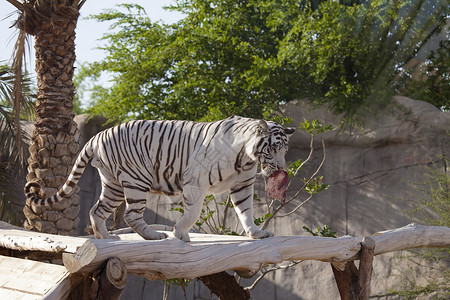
276,185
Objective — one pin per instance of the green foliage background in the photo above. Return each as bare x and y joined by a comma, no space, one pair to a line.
248,56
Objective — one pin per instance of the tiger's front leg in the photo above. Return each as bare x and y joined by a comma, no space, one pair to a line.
193,202
242,198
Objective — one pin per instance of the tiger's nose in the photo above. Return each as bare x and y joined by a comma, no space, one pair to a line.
281,166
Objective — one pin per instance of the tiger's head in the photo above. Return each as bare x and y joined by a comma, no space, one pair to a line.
273,147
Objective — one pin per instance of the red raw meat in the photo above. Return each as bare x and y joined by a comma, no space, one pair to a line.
276,185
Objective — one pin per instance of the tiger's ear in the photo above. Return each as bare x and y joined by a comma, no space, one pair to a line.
263,128
289,131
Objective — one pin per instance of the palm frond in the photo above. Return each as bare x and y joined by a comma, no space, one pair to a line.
12,155
17,4
17,90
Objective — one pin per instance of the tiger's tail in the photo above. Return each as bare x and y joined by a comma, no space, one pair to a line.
78,168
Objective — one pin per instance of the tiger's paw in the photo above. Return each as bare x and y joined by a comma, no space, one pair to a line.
107,236
184,236
154,235
100,232
260,234
161,236
112,237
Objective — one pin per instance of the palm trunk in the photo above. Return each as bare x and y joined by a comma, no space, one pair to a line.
54,143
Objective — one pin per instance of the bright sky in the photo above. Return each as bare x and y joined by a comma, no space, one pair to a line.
88,31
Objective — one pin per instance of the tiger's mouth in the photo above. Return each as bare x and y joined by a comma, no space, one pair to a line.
267,170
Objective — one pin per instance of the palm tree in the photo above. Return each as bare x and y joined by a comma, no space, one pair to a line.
54,142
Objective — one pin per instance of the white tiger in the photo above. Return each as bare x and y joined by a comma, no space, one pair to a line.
141,158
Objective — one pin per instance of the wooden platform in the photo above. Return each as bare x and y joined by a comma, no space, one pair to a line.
22,279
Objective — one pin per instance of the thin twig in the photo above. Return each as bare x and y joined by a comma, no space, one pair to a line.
249,288
225,212
295,209
218,212
311,150
312,176
211,227
213,222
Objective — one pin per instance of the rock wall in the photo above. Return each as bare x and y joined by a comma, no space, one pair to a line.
367,170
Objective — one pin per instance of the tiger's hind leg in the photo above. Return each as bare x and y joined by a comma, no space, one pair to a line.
110,198
134,214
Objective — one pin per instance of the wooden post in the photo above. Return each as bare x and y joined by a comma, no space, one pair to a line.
83,286
112,280
365,267
354,284
225,286
347,281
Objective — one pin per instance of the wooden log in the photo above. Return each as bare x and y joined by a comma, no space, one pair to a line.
365,267
172,258
411,236
25,240
209,254
113,280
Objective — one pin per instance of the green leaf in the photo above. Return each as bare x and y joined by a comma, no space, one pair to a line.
292,167
259,221
315,127
323,232
178,209
316,185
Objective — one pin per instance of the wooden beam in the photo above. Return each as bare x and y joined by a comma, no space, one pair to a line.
411,236
25,240
172,258
209,254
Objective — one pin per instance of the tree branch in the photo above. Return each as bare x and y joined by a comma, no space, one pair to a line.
264,273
